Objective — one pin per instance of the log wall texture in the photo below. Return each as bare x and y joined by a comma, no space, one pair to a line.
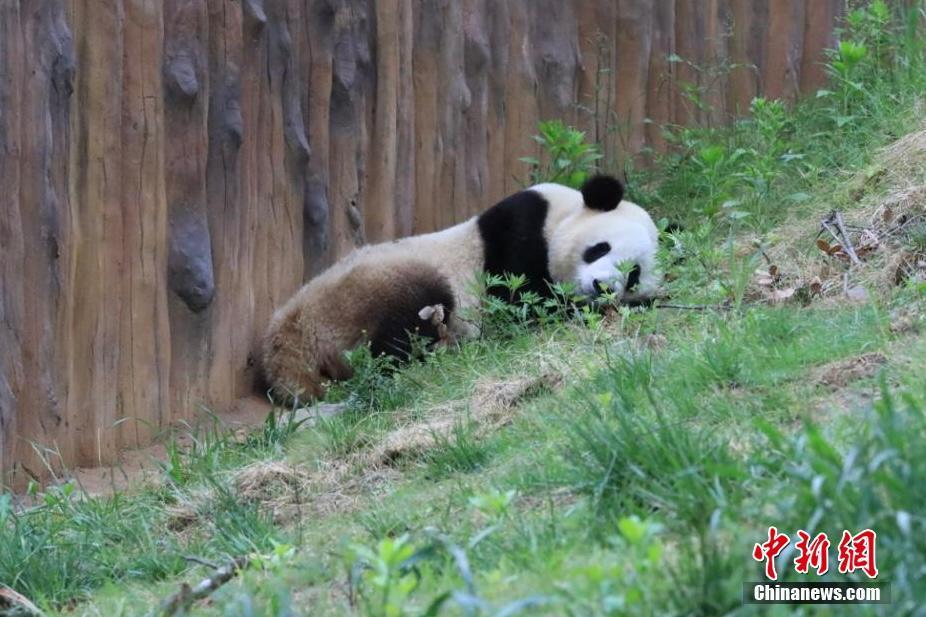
170,171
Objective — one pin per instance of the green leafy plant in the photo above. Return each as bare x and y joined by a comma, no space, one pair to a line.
383,577
508,308
628,585
915,239
494,504
386,577
566,157
373,385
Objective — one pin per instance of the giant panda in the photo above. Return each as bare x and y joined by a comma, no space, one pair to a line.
380,293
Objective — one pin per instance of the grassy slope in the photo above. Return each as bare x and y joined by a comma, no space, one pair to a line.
661,425
641,482
583,467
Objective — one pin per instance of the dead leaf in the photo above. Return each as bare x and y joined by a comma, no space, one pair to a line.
816,286
823,245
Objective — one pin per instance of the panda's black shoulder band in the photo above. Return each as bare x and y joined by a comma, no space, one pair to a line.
602,193
513,240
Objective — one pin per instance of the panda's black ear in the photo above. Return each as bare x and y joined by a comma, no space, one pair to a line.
602,193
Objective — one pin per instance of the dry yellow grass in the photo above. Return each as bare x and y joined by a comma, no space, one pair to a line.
805,266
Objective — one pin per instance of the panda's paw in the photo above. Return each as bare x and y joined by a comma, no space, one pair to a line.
443,335
434,314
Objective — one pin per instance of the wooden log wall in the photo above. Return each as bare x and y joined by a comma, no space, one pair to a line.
170,171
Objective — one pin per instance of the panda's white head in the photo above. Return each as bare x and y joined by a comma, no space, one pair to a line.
599,242
591,238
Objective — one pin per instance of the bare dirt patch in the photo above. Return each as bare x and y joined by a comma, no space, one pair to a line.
289,491
838,375
143,466
491,406
279,488
907,321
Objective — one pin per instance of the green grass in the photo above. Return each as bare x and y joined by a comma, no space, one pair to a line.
640,485
63,546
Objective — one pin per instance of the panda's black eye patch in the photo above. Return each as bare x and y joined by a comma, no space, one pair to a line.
596,252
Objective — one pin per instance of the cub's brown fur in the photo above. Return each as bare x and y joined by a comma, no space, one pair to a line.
305,343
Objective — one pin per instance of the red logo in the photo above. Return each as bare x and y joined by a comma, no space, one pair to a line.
855,552
858,553
770,549
812,553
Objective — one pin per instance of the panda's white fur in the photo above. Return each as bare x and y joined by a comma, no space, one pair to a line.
632,238
376,293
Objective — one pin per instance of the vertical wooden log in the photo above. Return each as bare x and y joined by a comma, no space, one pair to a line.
689,36
660,94
598,28
441,96
351,83
274,159
498,34
454,99
744,79
227,211
145,330
477,55
634,46
379,218
521,110
191,278
555,54
405,196
426,50
319,27
45,414
819,35
12,246
716,81
785,49
757,41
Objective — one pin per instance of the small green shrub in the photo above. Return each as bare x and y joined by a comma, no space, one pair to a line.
915,239
566,158
631,582
508,308
763,164
376,383
387,579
